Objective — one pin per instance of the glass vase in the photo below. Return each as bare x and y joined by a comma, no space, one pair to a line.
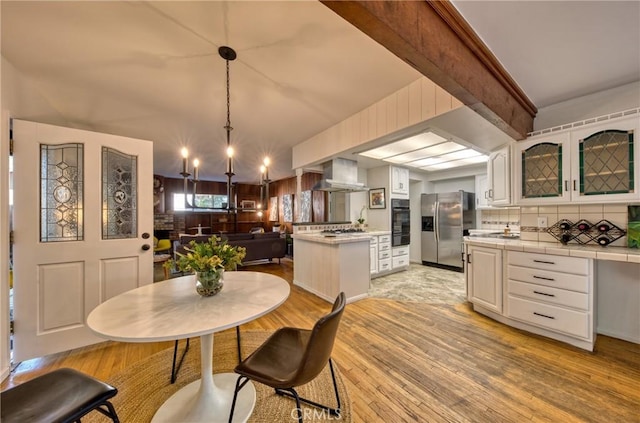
209,283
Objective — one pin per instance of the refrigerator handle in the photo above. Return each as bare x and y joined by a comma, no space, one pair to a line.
436,219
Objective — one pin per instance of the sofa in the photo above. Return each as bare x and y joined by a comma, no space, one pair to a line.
260,246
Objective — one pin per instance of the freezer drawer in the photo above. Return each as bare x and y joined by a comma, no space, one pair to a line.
429,247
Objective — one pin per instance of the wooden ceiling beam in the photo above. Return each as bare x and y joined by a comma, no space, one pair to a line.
434,38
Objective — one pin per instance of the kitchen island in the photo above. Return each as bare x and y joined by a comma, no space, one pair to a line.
325,265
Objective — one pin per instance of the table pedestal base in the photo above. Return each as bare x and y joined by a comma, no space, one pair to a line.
181,406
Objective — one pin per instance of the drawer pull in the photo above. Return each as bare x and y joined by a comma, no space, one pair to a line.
544,315
544,293
543,278
545,262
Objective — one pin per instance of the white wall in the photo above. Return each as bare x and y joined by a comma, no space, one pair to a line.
467,184
379,219
598,104
359,199
416,188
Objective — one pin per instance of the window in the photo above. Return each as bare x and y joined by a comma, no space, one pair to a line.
209,201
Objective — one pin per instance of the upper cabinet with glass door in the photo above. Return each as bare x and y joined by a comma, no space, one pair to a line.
604,162
595,163
542,166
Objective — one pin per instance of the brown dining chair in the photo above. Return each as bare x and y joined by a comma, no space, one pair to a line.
61,396
292,357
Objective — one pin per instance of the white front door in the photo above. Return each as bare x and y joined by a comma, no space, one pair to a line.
83,219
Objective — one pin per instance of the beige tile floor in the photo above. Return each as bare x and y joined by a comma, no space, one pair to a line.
421,284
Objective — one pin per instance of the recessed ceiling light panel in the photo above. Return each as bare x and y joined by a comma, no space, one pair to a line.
427,151
413,143
434,150
455,163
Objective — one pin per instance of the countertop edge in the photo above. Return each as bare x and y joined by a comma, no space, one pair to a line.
622,254
340,239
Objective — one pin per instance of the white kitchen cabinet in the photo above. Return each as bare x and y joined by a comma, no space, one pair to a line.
593,164
482,192
602,157
541,165
553,293
382,256
373,256
400,257
484,277
499,177
399,180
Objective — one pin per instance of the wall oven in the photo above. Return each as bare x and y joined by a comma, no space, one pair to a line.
400,222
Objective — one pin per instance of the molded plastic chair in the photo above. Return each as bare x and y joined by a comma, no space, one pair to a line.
292,357
61,396
162,245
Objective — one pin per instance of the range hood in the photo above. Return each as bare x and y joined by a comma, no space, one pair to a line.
340,175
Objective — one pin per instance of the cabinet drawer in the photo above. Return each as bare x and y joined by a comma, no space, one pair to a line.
384,265
575,265
384,238
400,261
570,322
384,254
400,251
384,246
549,295
373,240
549,278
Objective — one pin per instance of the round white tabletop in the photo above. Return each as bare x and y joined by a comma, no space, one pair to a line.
172,310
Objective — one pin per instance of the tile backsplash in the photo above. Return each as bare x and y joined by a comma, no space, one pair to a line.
525,219
499,218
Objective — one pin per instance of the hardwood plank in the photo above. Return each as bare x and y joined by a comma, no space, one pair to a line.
408,362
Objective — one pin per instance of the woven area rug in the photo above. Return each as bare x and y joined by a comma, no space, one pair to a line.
144,387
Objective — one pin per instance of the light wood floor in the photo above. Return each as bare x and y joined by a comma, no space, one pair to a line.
416,362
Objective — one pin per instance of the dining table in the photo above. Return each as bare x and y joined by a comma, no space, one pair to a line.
172,310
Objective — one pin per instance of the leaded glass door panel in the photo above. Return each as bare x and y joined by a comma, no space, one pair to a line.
605,162
72,252
543,170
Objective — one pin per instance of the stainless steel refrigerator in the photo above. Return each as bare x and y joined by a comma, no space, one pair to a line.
446,218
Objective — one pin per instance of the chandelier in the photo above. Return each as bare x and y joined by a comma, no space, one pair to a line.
228,54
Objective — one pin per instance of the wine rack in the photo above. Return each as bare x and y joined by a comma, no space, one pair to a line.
583,232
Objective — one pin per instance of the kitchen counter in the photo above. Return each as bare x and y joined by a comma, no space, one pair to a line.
616,277
631,255
342,238
328,265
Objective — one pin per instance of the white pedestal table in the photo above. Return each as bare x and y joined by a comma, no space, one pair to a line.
170,310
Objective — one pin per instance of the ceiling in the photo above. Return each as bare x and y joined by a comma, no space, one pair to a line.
151,70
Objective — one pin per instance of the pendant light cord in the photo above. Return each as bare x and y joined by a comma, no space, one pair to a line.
228,127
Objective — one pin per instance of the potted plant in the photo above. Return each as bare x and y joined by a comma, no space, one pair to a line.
209,260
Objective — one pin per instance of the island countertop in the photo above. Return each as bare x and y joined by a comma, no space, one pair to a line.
343,238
